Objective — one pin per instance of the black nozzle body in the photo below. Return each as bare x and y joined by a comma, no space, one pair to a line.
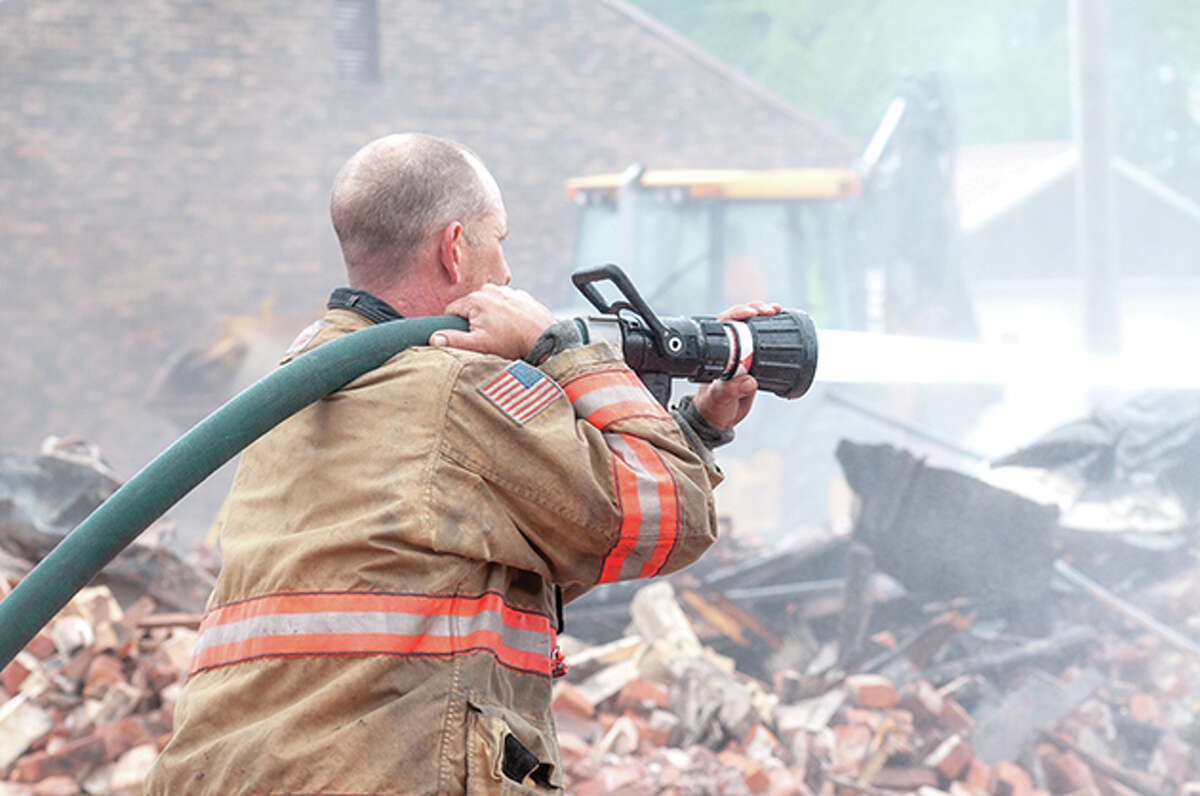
779,351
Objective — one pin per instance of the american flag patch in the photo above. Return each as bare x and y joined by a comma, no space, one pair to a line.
520,391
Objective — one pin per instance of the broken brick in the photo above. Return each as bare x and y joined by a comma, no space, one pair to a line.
905,778
1145,708
41,646
923,701
56,786
569,699
885,638
124,734
870,718
131,768
1011,780
753,773
650,736
850,745
77,755
103,671
609,780
761,745
955,718
871,691
571,747
13,675
1066,773
979,777
951,757
786,782
641,694
902,721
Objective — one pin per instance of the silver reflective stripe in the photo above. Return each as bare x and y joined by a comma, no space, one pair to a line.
382,622
597,399
650,509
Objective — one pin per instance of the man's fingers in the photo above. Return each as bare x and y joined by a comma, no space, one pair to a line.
453,338
732,389
740,312
742,384
735,313
503,321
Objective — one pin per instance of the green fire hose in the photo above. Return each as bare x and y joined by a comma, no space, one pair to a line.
193,457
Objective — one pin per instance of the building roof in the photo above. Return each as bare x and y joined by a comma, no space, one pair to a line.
1017,208
991,181
723,70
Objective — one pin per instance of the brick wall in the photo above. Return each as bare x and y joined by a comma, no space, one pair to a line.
164,163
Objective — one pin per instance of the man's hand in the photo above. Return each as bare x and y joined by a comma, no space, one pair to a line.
503,321
723,404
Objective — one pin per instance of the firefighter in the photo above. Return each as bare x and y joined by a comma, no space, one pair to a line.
396,555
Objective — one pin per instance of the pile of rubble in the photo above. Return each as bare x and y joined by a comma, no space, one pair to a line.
87,705
1083,712
957,641
952,644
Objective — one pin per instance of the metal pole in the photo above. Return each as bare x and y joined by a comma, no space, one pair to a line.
1095,219
1125,608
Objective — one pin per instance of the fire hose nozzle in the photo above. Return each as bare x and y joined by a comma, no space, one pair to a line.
779,351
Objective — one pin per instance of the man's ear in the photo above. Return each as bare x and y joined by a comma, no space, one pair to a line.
450,251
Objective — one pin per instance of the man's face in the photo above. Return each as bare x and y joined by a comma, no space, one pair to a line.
483,254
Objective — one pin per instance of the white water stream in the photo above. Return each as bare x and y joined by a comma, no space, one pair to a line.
864,357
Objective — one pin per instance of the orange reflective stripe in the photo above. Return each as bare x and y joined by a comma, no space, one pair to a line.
605,397
605,416
626,488
646,492
668,503
648,501
294,624
422,604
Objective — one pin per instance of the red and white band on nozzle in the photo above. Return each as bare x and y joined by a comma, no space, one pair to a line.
741,347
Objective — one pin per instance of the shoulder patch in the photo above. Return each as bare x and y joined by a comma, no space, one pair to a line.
305,337
520,391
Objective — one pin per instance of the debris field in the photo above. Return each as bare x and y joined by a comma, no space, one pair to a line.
966,637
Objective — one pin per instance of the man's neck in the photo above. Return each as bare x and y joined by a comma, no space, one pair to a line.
414,299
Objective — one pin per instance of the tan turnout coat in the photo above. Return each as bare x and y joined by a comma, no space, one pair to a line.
385,617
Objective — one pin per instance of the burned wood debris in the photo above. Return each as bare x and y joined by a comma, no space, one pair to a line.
961,640
44,497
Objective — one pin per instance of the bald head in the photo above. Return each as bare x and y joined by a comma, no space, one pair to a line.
396,193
